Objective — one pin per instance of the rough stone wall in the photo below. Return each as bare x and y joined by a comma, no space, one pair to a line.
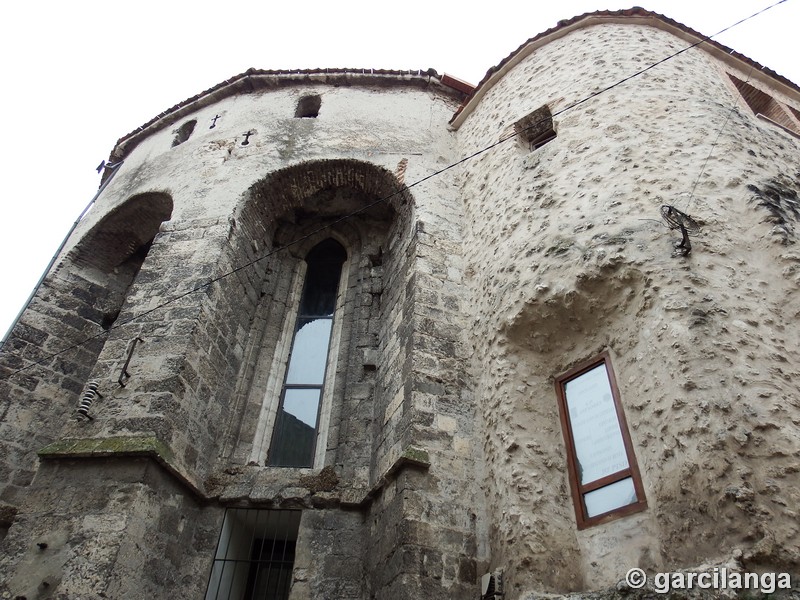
567,256
461,300
107,529
64,330
435,513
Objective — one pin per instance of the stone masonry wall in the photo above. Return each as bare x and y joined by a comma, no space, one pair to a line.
110,529
52,350
185,410
567,256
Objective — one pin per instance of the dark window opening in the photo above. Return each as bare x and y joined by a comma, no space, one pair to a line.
308,107
294,437
109,319
255,555
536,129
603,473
7,515
183,132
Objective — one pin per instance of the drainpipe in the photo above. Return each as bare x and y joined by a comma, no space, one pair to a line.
114,168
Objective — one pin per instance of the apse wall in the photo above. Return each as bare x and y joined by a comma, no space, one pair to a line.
257,163
567,256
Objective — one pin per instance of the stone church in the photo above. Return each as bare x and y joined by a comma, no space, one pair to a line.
368,334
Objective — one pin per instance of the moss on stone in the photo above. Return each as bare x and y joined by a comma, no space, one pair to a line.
94,447
415,455
324,481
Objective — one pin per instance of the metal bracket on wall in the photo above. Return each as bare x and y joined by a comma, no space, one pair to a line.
124,375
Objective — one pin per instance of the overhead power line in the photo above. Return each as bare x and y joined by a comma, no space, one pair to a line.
366,207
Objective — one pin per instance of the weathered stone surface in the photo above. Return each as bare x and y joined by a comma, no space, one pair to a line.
439,454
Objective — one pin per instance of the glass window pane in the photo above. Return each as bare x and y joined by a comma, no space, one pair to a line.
610,497
319,294
302,404
309,352
296,429
599,447
322,279
255,555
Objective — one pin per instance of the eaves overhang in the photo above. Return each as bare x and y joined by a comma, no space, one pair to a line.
255,80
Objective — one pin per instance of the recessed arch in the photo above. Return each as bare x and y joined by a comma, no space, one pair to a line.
282,194
123,232
363,209
112,252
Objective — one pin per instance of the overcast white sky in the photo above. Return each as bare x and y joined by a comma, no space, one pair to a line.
79,75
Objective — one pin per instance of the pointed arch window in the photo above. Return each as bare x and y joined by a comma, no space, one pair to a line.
294,437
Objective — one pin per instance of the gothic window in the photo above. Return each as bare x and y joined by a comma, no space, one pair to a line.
296,428
603,473
255,555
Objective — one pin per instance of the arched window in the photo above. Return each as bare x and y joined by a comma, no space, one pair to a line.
296,429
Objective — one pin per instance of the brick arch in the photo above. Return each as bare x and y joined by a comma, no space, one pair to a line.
283,192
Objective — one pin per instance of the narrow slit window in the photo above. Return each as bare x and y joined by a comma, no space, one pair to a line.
294,438
604,476
255,555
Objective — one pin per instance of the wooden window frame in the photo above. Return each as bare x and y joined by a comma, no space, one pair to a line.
632,471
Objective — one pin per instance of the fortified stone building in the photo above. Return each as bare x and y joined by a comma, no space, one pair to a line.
293,353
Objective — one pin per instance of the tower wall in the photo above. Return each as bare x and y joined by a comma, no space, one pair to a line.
568,256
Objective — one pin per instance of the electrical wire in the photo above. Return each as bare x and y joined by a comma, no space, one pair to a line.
366,207
714,145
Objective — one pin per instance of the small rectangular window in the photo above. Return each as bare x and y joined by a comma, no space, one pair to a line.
536,129
604,476
255,555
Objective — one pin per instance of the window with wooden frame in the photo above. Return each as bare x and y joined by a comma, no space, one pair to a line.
603,474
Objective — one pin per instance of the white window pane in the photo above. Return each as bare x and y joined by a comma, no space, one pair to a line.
599,447
303,405
310,352
610,497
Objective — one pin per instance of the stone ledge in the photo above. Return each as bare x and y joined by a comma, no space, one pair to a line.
412,456
120,447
